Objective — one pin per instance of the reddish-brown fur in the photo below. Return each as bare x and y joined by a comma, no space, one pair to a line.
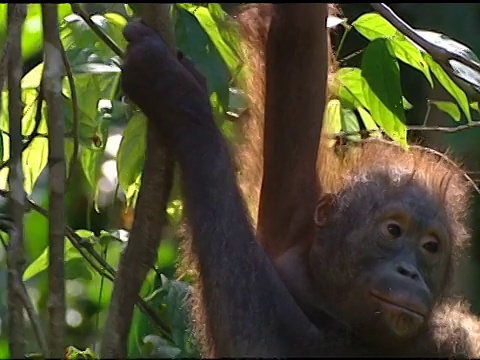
456,329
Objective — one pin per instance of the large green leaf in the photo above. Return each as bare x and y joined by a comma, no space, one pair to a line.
221,31
350,89
194,41
374,26
382,89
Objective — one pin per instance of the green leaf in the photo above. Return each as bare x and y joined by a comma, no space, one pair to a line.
91,90
35,158
449,85
177,301
73,354
333,121
91,160
448,107
382,89
350,124
374,26
31,80
131,153
75,33
221,31
195,42
351,87
41,263
369,122
128,10
68,143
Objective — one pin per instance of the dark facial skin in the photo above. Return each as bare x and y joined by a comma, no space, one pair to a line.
393,258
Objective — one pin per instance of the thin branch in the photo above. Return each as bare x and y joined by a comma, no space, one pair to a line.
15,253
76,113
439,54
444,129
76,8
22,292
52,78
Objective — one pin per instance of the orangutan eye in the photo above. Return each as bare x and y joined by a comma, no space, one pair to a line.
431,245
392,229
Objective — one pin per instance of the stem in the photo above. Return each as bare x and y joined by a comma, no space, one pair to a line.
52,78
15,253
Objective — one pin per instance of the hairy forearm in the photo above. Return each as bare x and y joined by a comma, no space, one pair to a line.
295,103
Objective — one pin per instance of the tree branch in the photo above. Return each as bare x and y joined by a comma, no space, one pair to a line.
21,290
438,53
52,79
15,253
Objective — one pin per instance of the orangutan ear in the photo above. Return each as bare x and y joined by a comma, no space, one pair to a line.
323,208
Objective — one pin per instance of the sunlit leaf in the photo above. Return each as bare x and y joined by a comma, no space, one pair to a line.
449,85
447,107
374,26
34,160
332,122
351,86
369,122
31,80
382,89
350,89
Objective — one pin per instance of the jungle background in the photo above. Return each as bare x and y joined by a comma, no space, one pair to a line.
108,150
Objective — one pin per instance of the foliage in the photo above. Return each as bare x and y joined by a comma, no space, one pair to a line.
367,97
